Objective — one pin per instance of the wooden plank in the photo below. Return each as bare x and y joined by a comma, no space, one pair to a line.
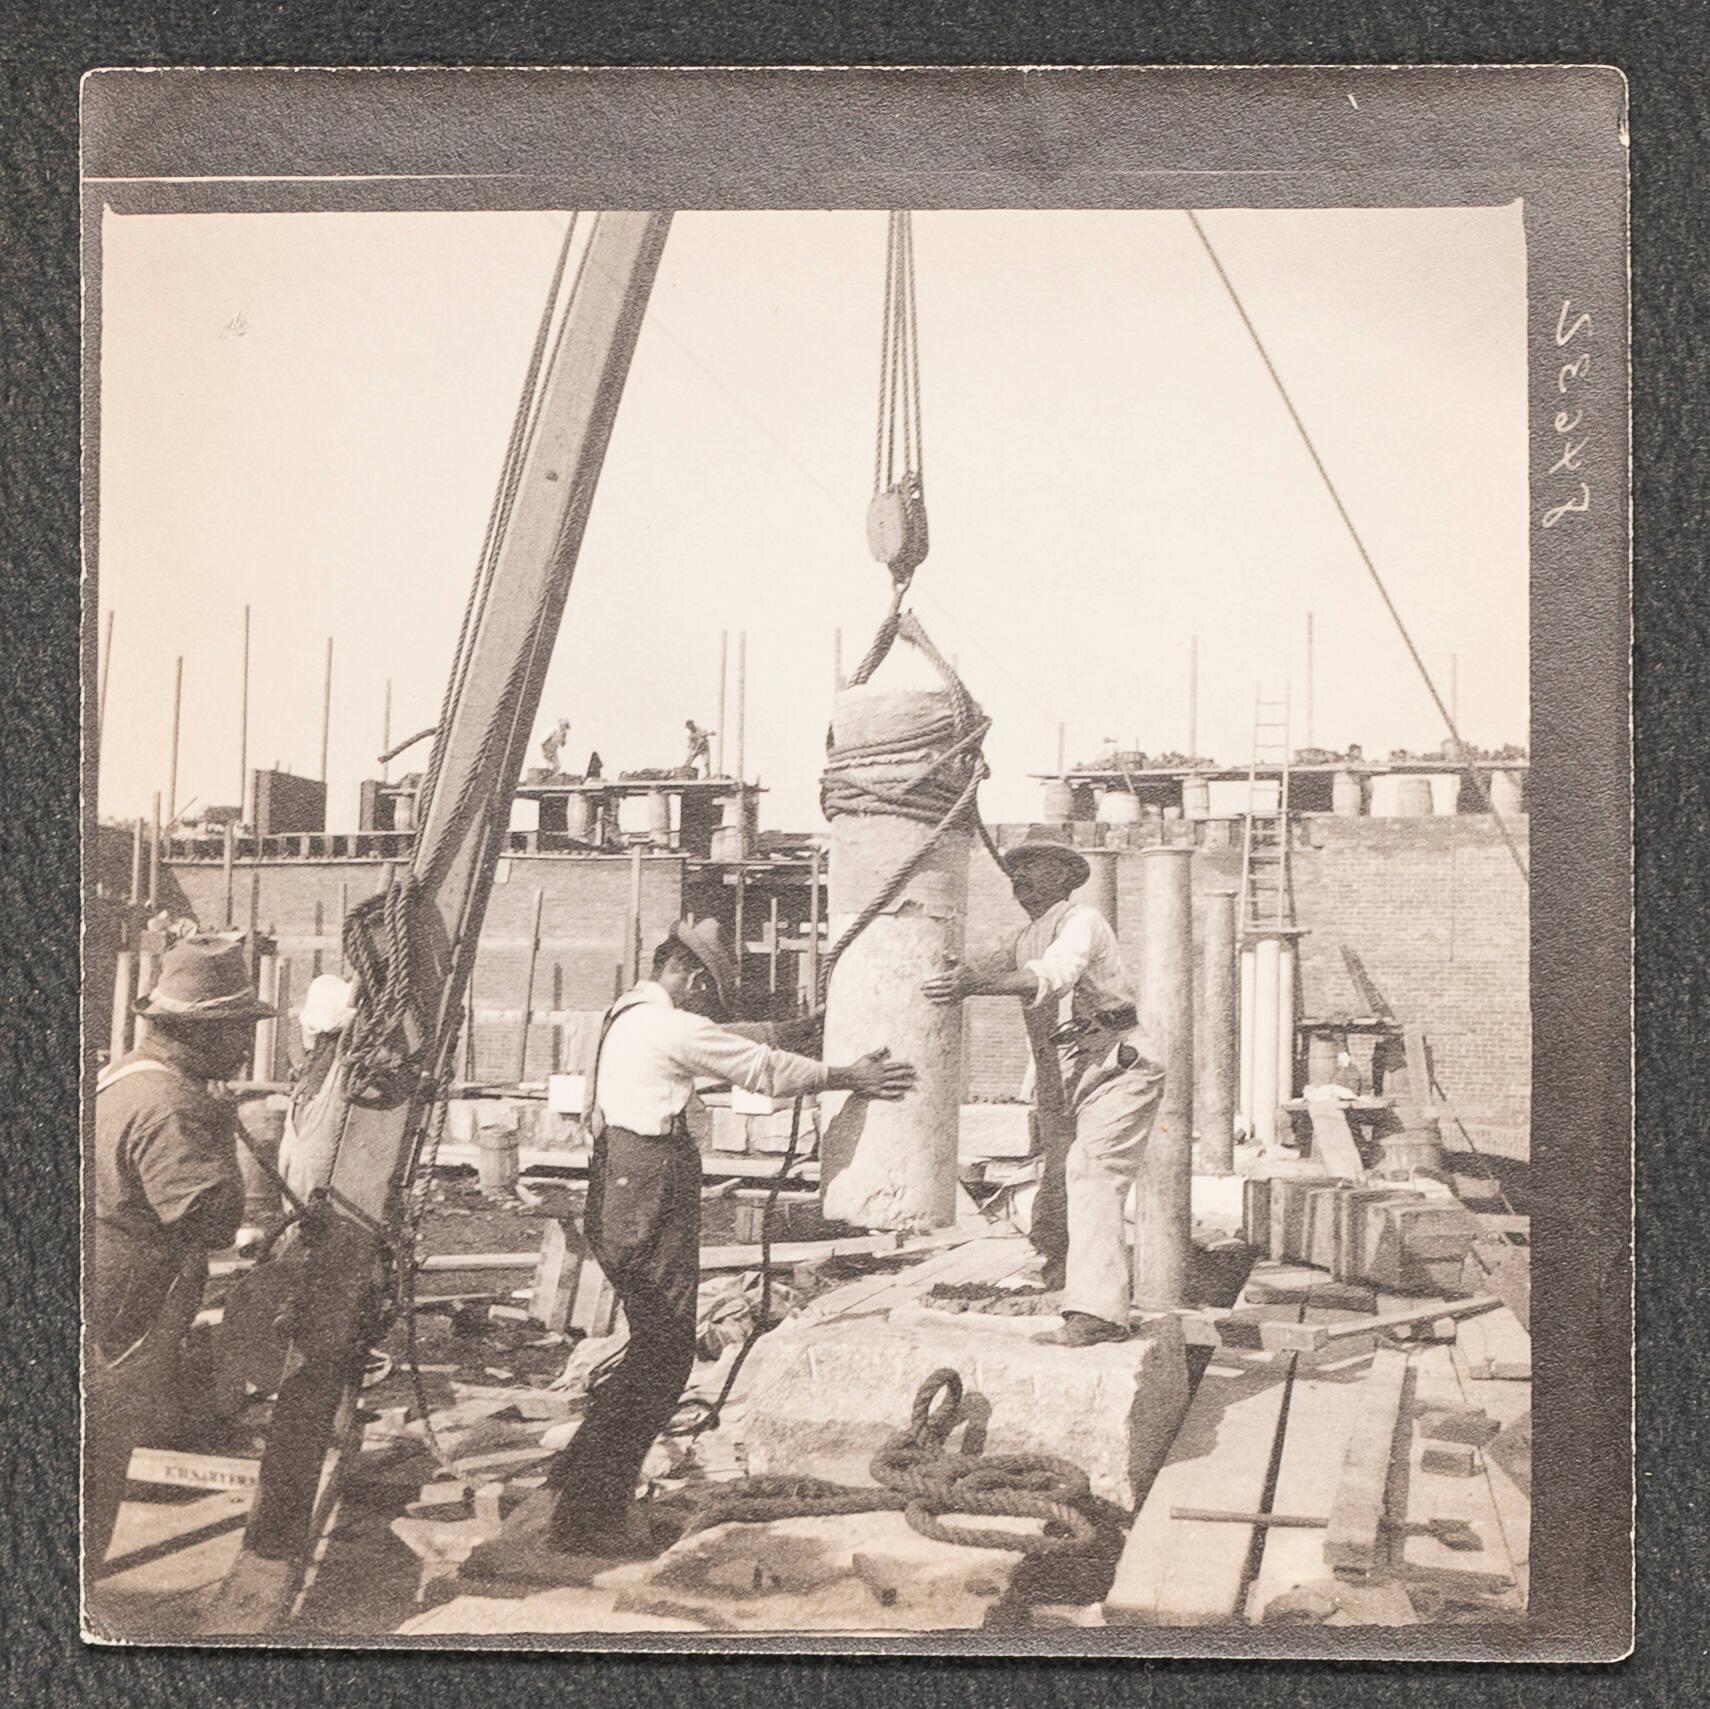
192,1471
1324,1401
1177,1572
555,1277
1496,1347
1473,1500
1333,1140
1355,1539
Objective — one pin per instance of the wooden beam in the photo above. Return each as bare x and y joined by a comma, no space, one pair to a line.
1355,1540
453,858
192,1471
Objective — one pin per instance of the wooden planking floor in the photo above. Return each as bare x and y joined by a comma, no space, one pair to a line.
1324,1401
1184,1572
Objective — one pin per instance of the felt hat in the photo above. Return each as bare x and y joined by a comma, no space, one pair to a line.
204,979
704,941
1036,845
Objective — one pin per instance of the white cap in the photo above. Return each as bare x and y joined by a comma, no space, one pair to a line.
327,1007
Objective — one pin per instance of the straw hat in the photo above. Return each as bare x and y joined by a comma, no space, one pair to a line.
204,979
1036,845
704,941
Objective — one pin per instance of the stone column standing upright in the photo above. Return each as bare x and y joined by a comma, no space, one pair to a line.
1285,1019
893,1166
1263,1114
1100,889
1249,1017
1164,979
1214,1107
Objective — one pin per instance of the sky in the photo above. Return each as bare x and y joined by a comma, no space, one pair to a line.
306,414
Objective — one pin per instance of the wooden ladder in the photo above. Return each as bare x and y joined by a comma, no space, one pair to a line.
1266,898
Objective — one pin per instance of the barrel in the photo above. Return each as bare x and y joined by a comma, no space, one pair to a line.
1507,793
1322,1050
1058,804
497,1158
1411,1148
659,819
404,811
1196,797
1413,798
1118,807
1347,795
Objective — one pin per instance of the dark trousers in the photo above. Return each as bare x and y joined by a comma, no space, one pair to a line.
643,1224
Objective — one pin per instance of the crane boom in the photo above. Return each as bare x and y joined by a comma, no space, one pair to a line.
436,912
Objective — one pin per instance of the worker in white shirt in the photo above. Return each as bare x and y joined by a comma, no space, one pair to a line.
1096,1095
644,1208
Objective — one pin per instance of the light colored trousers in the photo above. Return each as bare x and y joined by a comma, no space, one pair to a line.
1093,1153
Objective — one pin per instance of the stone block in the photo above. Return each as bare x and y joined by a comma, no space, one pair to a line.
844,1573
825,1397
994,1131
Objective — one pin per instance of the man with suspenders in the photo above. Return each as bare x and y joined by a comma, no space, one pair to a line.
644,1208
167,1192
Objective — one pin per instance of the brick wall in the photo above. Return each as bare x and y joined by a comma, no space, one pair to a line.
584,910
1433,907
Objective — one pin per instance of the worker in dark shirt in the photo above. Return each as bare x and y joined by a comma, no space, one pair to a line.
167,1192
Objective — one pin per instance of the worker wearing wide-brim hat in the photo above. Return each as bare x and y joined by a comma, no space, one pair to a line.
644,1207
1096,1095
167,1192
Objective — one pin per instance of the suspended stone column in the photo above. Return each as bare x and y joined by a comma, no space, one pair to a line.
1263,1113
893,1166
1165,980
1214,1104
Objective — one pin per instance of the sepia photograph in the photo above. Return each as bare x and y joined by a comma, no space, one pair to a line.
811,802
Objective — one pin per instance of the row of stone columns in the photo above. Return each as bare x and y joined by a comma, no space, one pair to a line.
1267,1030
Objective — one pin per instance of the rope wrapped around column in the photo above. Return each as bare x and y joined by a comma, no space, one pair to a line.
902,775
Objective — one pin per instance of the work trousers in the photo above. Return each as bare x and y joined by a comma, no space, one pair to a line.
643,1224
1092,1157
132,1401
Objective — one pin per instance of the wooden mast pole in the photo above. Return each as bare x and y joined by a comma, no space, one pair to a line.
460,836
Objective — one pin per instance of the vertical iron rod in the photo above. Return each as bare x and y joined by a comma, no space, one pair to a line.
528,988
386,734
172,774
723,671
741,708
243,725
154,857
326,711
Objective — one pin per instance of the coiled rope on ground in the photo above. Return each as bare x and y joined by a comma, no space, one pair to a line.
917,1474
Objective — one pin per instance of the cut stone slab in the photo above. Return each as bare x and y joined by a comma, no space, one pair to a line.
824,1397
987,1131
857,1572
